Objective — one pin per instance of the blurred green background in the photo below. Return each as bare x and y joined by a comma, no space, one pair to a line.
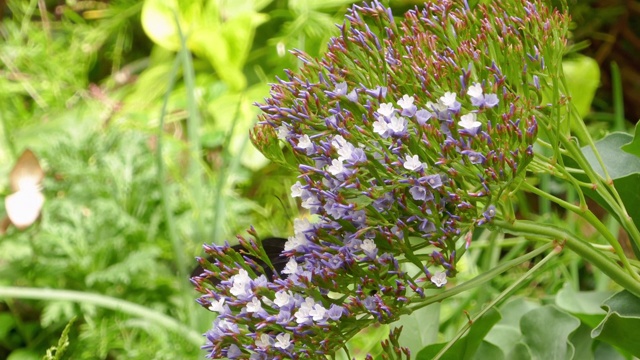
139,113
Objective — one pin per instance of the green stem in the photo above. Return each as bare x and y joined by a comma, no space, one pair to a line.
592,219
107,302
583,249
481,279
606,190
193,133
528,276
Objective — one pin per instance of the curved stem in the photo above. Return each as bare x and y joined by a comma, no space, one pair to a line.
592,219
585,250
107,302
481,279
604,187
528,276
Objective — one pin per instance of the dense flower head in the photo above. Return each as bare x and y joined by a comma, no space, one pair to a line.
405,136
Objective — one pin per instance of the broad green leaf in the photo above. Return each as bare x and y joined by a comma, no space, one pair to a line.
582,343
604,351
7,323
307,5
520,352
633,147
225,110
621,326
585,305
546,332
239,33
583,77
158,22
24,354
368,341
467,346
619,163
624,169
513,311
488,351
504,336
420,328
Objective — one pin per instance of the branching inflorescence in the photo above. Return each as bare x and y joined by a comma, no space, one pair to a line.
406,135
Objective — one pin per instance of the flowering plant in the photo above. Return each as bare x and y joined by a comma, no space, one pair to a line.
407,135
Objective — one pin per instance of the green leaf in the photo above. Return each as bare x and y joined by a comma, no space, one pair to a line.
546,333
583,77
585,305
621,326
420,328
520,352
619,163
513,311
466,347
7,322
582,342
23,354
503,336
633,147
624,169
159,24
488,351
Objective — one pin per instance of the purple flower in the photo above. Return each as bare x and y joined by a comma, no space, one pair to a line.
418,193
233,352
422,116
341,89
435,181
335,312
473,156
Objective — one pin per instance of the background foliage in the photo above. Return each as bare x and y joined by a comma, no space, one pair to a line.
136,181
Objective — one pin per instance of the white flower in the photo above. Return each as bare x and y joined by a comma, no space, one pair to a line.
338,142
317,312
381,127
291,267
295,241
217,305
469,121
412,163
300,226
241,283
439,279
448,99
264,342
283,341
336,167
296,189
475,91
283,132
398,124
341,89
439,106
386,109
345,152
254,305
303,313
368,245
305,142
310,202
369,248
406,102
282,298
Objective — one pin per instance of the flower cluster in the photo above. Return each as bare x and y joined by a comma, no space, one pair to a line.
405,136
